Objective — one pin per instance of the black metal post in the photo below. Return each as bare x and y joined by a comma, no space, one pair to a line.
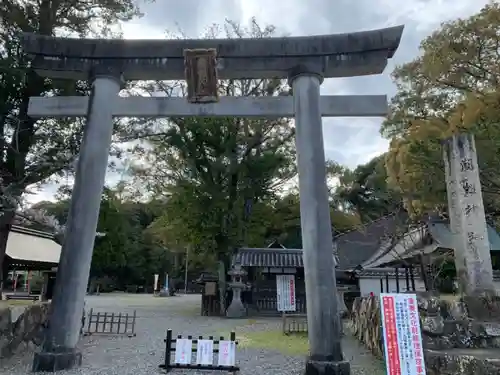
168,350
412,278
397,279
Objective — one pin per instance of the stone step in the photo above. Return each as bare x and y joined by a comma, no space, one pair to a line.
462,361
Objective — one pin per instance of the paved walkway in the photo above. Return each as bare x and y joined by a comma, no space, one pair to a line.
141,355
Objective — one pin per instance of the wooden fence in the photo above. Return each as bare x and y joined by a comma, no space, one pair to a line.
294,323
107,323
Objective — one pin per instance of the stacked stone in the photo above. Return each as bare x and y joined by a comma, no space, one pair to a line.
25,328
459,336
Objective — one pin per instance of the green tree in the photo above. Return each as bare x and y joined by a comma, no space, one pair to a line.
124,252
32,151
451,87
216,171
285,224
364,190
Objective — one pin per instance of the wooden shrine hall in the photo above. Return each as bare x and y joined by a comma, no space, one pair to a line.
29,250
264,264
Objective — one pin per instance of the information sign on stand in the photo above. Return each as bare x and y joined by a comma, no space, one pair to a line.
402,335
285,293
183,351
227,353
205,352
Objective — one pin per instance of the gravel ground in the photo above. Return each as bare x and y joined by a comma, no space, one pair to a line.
141,355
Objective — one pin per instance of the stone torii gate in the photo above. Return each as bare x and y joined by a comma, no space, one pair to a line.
304,61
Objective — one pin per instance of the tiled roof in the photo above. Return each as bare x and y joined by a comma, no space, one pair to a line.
268,257
357,246
350,249
440,231
413,243
382,272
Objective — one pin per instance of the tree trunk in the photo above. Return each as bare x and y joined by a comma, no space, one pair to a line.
5,226
222,287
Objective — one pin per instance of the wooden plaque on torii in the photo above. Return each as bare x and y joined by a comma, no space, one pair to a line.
201,75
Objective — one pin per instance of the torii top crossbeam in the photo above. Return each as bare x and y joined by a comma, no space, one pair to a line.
337,55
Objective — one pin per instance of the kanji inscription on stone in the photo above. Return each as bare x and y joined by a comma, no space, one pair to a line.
466,165
471,237
469,189
470,208
476,262
201,75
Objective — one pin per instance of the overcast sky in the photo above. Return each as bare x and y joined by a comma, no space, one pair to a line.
347,141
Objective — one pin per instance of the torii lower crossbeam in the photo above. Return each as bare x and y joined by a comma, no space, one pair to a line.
265,107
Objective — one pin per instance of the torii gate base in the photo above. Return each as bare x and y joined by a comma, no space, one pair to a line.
305,61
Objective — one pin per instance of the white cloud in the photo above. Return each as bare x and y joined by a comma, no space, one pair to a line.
349,141
137,30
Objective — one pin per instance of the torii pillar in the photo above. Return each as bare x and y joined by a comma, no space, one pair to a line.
59,350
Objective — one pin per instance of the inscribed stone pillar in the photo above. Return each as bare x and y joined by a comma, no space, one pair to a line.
59,350
323,319
467,207
451,160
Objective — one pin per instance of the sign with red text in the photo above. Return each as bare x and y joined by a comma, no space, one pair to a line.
227,353
285,292
402,336
183,351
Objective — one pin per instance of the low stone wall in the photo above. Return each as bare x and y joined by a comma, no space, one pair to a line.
24,327
458,337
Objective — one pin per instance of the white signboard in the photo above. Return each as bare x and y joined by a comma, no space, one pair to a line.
183,351
205,352
402,335
227,353
155,285
285,292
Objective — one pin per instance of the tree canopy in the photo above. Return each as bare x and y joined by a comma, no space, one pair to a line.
451,87
32,151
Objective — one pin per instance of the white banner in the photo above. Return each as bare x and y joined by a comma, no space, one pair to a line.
285,292
227,353
402,335
155,285
205,352
183,351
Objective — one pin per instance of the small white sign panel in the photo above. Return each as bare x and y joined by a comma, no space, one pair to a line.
285,292
227,353
155,285
183,351
402,335
205,352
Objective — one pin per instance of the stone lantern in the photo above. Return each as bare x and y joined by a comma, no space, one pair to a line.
236,309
